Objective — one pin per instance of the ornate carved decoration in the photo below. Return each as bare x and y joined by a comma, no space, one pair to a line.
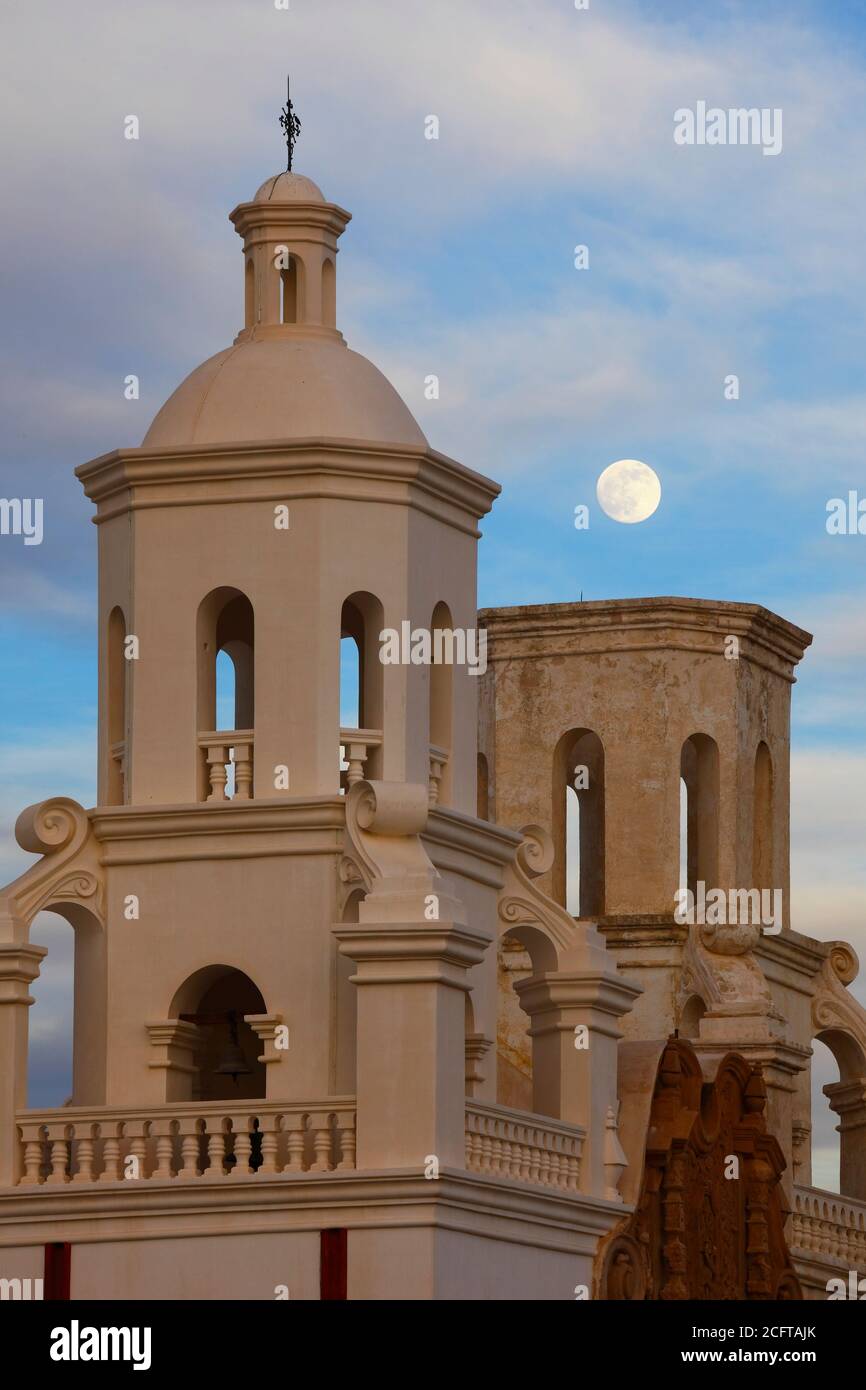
69,877
521,902
698,1230
834,1009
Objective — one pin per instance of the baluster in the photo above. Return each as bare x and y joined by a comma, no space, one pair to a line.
495,1153
574,1171
189,1150
111,1157
356,757
553,1170
437,767
295,1134
322,1140
508,1158
59,1153
164,1150
270,1144
217,757
535,1160
216,1150
243,1149
33,1142
138,1151
347,1142
486,1148
243,761
525,1158
84,1149
473,1148
543,1159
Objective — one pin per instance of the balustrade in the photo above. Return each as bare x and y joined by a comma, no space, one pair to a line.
222,750
209,1140
356,745
824,1224
510,1143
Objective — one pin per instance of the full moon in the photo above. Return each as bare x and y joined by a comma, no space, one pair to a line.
628,490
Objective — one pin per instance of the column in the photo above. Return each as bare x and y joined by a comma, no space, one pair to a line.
19,966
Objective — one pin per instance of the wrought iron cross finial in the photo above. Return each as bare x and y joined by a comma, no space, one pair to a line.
291,126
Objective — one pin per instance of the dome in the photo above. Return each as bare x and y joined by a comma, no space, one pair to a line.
284,387
289,188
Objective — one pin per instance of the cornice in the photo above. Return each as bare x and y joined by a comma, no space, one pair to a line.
129,480
664,623
262,828
371,1199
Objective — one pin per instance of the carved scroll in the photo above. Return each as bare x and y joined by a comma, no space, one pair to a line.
69,877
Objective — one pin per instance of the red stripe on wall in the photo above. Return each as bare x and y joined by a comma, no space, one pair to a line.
333,1264
58,1272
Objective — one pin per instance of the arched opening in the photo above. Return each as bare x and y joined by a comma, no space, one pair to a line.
249,295
117,702
361,689
838,1135
483,789
226,698
762,820
690,1018
226,1066
329,294
699,770
441,702
350,681
290,292
578,823
523,951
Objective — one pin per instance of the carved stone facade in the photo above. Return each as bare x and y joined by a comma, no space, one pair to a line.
709,1220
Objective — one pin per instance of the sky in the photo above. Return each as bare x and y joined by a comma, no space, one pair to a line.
555,130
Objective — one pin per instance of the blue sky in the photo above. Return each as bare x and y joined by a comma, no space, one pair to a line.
555,130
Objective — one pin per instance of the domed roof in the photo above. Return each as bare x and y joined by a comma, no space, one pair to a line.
284,387
289,188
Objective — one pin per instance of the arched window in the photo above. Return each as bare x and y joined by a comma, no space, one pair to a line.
117,709
838,1076
527,1073
329,294
699,770
290,292
690,1018
249,295
226,696
578,823
762,820
441,702
361,688
218,1000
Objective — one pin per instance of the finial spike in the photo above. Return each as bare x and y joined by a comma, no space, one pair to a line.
290,124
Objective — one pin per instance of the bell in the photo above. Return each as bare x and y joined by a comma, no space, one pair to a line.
232,1062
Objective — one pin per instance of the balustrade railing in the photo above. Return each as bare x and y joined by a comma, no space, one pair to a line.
211,1140
356,746
438,763
824,1224
223,750
513,1144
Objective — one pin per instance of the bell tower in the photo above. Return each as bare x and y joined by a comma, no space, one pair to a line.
283,502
